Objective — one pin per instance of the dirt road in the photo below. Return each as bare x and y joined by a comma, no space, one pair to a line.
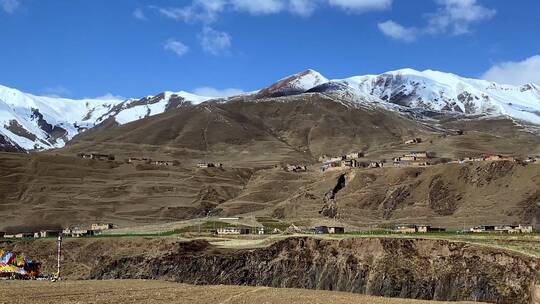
133,291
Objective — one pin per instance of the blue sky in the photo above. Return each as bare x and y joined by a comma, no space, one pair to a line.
78,48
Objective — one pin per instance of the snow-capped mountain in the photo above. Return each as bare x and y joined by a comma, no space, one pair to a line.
294,84
439,91
29,122
134,109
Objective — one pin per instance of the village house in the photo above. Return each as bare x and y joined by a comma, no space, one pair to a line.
412,157
100,226
482,229
524,228
233,230
137,160
354,155
405,229
295,168
469,159
502,229
417,229
493,157
472,159
165,163
351,163
340,164
419,154
514,229
426,229
49,233
24,235
321,230
9,236
209,165
413,141
498,158
331,165
408,158
79,232
336,230
375,164
96,156
328,230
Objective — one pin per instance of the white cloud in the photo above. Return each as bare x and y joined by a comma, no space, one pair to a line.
259,7
56,91
110,96
453,16
361,5
204,11
302,7
215,42
138,13
397,31
213,92
208,11
515,72
9,6
299,7
176,47
456,16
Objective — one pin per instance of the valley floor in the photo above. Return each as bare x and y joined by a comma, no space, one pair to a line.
141,291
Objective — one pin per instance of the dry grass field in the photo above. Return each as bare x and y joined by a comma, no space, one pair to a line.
137,291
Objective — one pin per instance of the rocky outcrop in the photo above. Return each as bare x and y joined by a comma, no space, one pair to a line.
330,206
408,268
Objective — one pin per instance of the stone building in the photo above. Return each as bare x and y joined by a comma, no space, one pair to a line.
101,226
233,230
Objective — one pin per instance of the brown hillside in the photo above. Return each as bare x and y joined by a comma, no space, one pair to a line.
249,138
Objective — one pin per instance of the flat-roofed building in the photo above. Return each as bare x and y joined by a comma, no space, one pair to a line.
49,233
24,235
406,229
336,230
233,230
102,226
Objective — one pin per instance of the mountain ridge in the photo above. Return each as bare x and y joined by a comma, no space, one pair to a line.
29,122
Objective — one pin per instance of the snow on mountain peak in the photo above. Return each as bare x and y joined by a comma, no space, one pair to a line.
36,122
294,84
439,91
40,122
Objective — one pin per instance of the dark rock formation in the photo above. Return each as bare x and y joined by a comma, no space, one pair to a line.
408,268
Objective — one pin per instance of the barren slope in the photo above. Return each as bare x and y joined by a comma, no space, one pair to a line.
40,189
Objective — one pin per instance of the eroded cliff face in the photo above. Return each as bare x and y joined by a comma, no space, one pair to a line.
407,268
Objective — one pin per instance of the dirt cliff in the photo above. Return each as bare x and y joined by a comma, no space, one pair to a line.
419,269
407,268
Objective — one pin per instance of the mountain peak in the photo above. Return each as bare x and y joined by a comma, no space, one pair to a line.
294,84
